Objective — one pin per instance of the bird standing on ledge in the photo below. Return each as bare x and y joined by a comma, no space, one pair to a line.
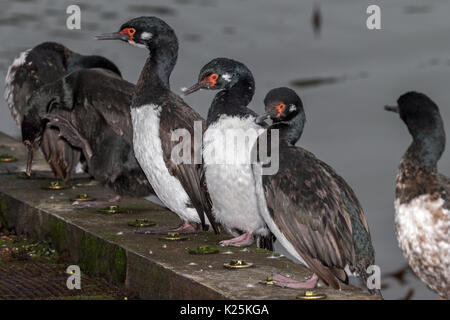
309,208
422,194
156,112
32,69
228,172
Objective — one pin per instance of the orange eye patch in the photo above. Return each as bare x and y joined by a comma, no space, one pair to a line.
280,109
212,79
129,31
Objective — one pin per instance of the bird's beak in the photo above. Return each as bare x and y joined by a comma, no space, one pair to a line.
29,160
195,87
113,36
262,118
392,108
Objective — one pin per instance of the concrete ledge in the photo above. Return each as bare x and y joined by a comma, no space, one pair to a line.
104,244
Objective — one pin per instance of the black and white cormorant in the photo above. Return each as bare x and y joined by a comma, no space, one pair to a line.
89,109
228,172
422,194
309,208
31,69
67,104
156,113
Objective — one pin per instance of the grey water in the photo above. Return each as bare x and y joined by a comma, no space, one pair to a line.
345,76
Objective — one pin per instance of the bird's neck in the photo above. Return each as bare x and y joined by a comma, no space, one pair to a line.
426,149
155,75
291,130
232,101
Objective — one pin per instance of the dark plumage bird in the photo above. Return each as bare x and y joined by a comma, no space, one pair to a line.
228,173
90,110
156,112
69,104
422,194
32,69
309,208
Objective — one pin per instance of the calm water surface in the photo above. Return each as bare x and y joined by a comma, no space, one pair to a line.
344,77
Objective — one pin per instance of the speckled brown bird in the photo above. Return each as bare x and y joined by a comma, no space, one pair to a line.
309,208
422,194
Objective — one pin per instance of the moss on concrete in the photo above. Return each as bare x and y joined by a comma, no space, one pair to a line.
102,258
57,233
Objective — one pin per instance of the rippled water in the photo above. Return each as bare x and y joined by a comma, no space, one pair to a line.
344,76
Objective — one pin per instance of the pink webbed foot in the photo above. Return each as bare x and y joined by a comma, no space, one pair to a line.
285,282
243,240
97,204
185,228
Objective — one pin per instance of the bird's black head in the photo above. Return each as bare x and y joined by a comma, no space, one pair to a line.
78,62
420,114
145,32
423,119
281,104
285,108
31,127
222,73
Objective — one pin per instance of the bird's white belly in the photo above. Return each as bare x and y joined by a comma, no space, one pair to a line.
423,234
149,154
231,186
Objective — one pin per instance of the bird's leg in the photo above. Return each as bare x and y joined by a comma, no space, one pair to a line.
184,228
97,204
71,134
285,282
244,240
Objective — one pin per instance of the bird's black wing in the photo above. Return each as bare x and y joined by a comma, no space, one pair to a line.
31,69
190,175
306,205
103,93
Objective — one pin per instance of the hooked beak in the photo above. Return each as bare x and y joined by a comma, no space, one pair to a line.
113,36
195,87
29,159
392,108
262,118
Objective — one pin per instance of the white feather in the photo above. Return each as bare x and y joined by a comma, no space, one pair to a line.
139,45
146,35
231,186
9,85
227,77
423,234
149,154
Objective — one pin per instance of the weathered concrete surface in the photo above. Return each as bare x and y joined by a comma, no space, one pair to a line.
11,146
105,245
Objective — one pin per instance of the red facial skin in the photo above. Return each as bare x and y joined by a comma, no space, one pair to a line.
280,109
130,32
211,80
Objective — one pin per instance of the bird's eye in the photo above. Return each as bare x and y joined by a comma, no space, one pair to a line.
129,31
280,109
211,79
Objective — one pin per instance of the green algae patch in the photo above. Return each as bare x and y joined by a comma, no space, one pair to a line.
203,250
100,257
57,233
